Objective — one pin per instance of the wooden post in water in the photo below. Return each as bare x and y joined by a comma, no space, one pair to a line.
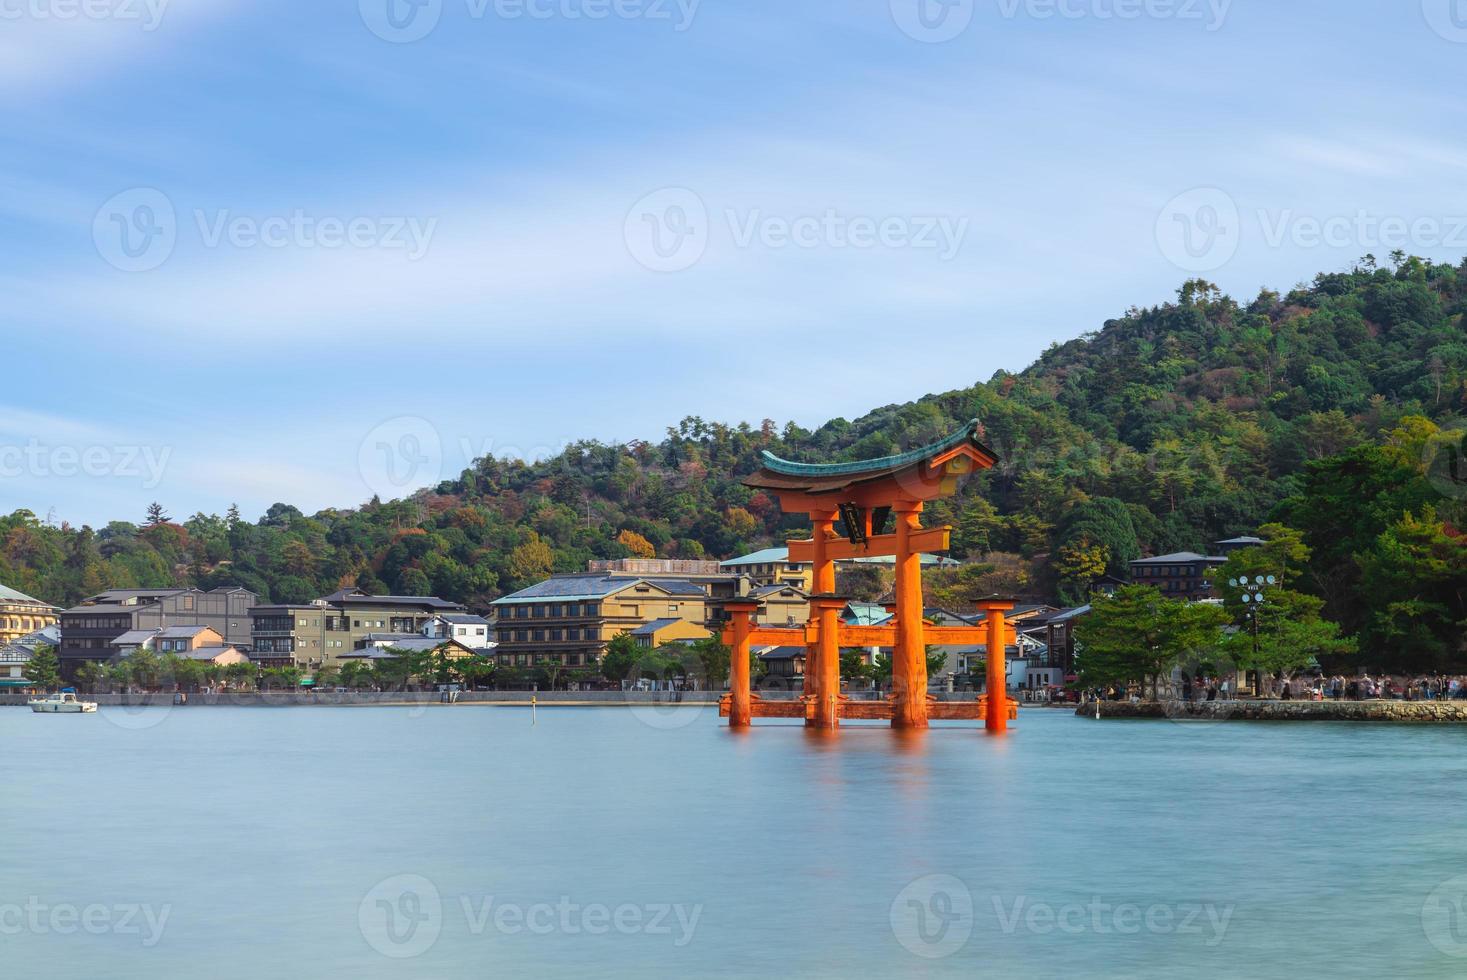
823,568
996,718
826,610
741,620
909,658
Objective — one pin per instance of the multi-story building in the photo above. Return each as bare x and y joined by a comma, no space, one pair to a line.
474,632
772,566
569,619
654,634
89,630
21,615
313,634
16,655
1183,575
714,580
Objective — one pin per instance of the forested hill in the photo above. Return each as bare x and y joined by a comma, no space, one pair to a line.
1166,429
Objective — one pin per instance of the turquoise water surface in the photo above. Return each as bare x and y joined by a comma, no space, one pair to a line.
466,842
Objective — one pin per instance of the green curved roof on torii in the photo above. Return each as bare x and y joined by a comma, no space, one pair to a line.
784,474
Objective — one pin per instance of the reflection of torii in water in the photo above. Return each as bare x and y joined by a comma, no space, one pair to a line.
864,495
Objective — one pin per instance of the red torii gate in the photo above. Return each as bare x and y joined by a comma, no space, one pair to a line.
863,495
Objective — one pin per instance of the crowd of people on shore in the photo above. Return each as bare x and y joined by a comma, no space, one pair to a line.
1311,687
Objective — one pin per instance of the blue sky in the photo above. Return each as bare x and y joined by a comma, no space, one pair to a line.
261,251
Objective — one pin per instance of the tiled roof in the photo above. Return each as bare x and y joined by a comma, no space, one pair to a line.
464,620
593,587
11,595
647,629
135,637
783,474
765,590
182,632
866,614
1177,558
205,653
782,653
768,556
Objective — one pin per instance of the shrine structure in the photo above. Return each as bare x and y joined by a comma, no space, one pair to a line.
864,497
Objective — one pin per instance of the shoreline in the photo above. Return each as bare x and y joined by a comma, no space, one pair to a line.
1393,712
416,699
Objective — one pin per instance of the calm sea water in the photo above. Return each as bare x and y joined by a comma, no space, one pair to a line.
463,841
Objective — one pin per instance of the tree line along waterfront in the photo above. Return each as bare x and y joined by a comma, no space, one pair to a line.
1330,414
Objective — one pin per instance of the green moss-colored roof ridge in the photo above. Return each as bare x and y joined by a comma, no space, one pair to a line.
968,433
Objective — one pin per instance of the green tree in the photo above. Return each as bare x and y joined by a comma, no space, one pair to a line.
621,656
91,675
854,668
44,670
1138,635
1414,584
714,660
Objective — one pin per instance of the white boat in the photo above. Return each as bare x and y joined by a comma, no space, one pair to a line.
64,702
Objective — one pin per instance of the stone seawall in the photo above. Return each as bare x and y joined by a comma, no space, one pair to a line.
282,699
1400,712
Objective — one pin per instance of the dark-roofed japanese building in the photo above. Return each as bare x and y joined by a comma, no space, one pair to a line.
569,619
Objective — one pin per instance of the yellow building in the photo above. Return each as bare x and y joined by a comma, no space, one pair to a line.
772,566
569,619
660,631
21,615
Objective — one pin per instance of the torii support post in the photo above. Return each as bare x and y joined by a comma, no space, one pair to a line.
741,620
823,568
996,718
909,658
825,667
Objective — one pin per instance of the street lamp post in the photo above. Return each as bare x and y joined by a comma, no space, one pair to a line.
1253,600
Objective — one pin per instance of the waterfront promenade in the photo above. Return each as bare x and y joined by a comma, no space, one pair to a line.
1382,710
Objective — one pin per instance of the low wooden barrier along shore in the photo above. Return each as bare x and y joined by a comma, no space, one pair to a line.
1402,712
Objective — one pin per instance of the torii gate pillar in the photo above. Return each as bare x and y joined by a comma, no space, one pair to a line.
909,658
997,689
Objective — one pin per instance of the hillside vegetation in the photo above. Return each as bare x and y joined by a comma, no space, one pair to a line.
1166,429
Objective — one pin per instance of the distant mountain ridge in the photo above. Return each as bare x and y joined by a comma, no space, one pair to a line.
1177,425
